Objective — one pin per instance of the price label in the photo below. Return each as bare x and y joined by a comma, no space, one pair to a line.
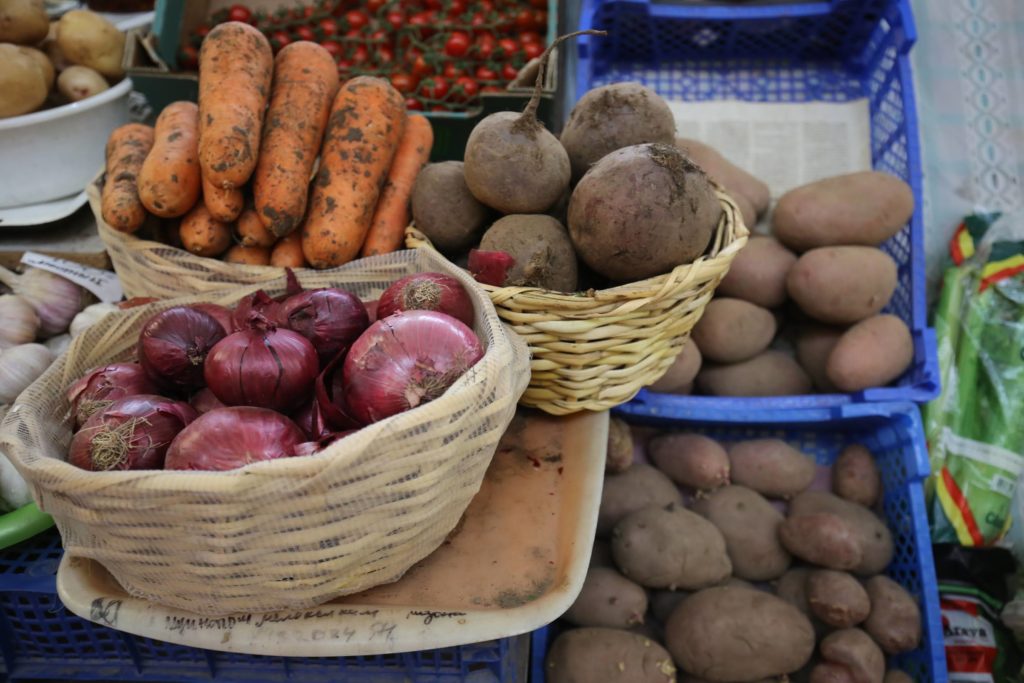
103,283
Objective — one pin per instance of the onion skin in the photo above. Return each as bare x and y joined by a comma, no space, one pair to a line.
229,438
221,313
330,318
258,302
311,447
100,387
427,292
406,360
264,368
204,401
133,433
173,346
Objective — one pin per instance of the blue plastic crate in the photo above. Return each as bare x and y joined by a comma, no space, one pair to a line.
819,51
41,640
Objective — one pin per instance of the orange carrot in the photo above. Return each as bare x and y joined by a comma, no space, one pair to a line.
392,214
366,124
202,234
235,67
252,256
169,180
127,148
225,205
252,232
305,82
287,252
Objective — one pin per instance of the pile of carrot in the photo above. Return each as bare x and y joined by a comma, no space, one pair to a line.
233,177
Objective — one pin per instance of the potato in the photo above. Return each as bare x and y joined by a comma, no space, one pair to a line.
588,655
814,344
22,83
842,285
77,83
792,587
897,676
855,476
872,534
52,49
895,620
855,650
771,467
750,526
543,253
601,554
641,211
747,212
737,634
824,539
44,63
864,208
824,672
733,330
758,273
608,599
681,373
639,486
734,179
670,547
872,353
837,598
692,460
620,447
772,373
88,39
23,22
664,602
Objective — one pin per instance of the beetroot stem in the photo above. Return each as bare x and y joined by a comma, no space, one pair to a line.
531,107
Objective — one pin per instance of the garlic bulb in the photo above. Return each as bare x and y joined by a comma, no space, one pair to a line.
90,315
19,367
19,323
58,344
55,299
14,491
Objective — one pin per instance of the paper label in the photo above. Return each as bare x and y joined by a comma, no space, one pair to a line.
103,283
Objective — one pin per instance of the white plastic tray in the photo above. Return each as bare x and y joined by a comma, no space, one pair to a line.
515,563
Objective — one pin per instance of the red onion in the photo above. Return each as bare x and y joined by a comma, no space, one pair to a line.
311,421
204,401
332,409
311,447
132,433
330,318
174,343
427,292
371,309
405,360
228,438
258,302
263,366
222,314
102,386
490,267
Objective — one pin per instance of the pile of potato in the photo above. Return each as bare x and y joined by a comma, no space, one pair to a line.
802,308
44,64
730,589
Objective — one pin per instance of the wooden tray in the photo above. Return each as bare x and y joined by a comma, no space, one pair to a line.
515,563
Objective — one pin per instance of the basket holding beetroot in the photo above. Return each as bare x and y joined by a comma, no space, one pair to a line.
217,389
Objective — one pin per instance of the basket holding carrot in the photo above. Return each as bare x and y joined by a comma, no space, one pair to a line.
280,164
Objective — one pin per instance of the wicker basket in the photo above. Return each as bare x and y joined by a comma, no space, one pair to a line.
595,350
153,269
289,533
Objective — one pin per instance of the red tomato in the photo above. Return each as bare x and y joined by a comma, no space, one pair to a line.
539,4
385,55
457,44
360,54
344,65
439,107
508,72
424,21
540,20
356,19
395,18
484,46
188,59
307,11
201,30
486,5
328,26
239,13
374,6
491,88
420,68
527,37
280,38
434,4
403,82
524,20
508,46
380,35
452,70
333,47
469,88
532,50
304,33
434,88
413,103
484,73
456,7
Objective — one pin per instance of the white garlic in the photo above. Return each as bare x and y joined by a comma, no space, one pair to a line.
19,367
14,492
89,316
55,299
58,344
19,323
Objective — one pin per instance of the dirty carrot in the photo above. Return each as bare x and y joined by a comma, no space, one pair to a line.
391,217
365,126
252,232
169,181
305,82
251,256
202,234
224,205
287,252
235,67
127,148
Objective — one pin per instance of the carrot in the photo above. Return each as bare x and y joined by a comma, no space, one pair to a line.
252,232
305,82
235,66
127,148
169,180
252,256
202,234
391,217
363,132
225,205
287,252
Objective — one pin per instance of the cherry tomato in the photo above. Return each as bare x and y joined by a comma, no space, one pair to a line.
424,22
485,5
374,6
532,50
188,59
508,72
484,46
439,107
307,11
360,54
540,20
395,18
239,13
524,20
456,7
201,30
469,88
457,44
491,88
344,65
527,37
420,67
304,33
434,4
484,73
380,36
403,82
356,20
539,4
334,48
280,38
434,88
328,26
508,46
385,55
413,104
452,70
